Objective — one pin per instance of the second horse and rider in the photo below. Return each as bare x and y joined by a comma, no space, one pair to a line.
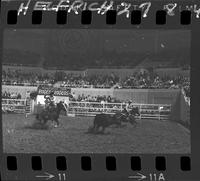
102,121
52,111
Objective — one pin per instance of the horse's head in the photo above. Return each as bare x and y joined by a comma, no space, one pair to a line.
120,117
60,106
135,111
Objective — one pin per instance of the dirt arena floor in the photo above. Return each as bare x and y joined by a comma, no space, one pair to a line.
150,136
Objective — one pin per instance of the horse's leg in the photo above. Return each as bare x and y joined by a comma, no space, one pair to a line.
39,119
94,128
135,123
52,122
103,129
98,128
43,121
57,123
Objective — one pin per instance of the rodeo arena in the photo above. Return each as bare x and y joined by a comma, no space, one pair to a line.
143,107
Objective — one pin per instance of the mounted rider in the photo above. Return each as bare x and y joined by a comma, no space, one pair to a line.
126,112
49,101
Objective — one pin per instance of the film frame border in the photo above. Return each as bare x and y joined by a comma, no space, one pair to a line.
123,166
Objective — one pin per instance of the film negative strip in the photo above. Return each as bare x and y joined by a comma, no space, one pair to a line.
100,90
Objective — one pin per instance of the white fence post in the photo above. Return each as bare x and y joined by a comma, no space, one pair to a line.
140,111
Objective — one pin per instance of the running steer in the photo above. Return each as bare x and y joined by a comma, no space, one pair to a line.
103,121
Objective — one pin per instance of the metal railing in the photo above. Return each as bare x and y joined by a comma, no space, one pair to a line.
147,111
21,106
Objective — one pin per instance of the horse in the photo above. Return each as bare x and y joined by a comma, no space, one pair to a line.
52,115
132,113
103,121
135,111
128,118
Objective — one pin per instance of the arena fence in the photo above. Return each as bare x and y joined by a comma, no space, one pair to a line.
148,111
21,106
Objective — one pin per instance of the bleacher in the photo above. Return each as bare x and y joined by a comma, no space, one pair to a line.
22,90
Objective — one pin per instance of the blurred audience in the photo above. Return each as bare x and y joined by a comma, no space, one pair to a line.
141,80
98,98
18,77
10,95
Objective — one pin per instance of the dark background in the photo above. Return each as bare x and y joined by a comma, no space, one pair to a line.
79,49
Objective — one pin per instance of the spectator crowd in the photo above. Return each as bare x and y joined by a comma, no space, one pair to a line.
95,81
153,80
10,95
18,77
98,98
142,80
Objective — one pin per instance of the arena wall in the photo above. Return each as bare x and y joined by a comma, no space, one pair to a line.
166,96
91,91
18,89
142,96
148,96
185,111
26,69
40,70
172,72
180,108
136,95
122,73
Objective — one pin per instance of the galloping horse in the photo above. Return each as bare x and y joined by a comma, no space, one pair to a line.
132,113
130,118
52,115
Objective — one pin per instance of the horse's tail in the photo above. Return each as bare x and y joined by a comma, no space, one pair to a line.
37,116
96,121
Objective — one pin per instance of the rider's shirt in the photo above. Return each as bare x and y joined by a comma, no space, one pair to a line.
127,106
49,100
125,112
